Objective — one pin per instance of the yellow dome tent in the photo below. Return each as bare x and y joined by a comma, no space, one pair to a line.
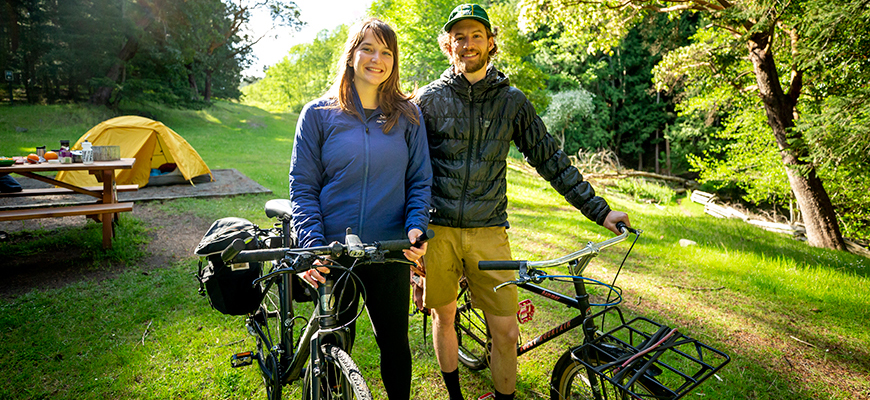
151,143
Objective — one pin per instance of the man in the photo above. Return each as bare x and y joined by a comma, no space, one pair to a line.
472,114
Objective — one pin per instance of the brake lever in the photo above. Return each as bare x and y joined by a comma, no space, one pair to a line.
523,277
503,284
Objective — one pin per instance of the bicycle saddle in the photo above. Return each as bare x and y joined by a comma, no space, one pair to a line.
280,208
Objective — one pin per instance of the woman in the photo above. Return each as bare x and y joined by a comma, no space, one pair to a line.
361,160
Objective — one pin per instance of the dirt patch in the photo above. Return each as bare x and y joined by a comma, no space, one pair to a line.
173,238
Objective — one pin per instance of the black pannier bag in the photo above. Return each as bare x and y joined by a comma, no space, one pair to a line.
229,287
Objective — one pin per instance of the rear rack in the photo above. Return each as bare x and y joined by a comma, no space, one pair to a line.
649,360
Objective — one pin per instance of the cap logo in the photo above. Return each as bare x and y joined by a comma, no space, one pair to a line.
467,11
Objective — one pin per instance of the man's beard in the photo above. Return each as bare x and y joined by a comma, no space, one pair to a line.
465,68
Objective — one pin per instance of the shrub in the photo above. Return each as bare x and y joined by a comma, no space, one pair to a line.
643,190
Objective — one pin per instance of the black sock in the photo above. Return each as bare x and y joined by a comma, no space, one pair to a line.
451,380
500,396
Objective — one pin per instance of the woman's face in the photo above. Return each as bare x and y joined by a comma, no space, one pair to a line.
372,62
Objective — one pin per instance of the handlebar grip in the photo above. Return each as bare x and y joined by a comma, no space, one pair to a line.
429,234
402,244
621,226
233,250
394,245
500,265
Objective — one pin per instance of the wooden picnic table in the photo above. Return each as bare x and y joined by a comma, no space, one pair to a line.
106,208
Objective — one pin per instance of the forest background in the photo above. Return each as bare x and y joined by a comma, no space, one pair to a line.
764,102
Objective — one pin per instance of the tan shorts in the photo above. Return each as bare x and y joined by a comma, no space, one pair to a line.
453,252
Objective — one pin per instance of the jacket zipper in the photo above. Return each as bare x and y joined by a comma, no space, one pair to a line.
362,212
468,158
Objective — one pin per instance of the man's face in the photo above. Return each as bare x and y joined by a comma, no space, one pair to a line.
469,46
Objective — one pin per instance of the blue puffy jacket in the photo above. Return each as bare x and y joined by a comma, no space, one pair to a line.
345,172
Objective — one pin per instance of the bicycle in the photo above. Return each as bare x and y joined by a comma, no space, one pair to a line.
317,354
638,359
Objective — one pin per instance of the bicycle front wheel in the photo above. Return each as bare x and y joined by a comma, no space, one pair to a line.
266,323
570,380
340,378
472,336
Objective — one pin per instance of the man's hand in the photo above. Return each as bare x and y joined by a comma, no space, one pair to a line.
415,253
613,217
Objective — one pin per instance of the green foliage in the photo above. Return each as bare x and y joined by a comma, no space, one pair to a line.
747,156
308,70
179,53
630,116
516,54
421,60
304,75
564,108
644,190
839,136
145,333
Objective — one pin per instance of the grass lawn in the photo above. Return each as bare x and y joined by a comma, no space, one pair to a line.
793,318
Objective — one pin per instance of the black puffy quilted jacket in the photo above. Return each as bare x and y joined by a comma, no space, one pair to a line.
470,128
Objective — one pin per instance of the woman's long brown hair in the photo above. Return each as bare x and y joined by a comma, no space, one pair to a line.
392,101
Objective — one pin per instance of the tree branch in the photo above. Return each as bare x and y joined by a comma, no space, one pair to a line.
797,75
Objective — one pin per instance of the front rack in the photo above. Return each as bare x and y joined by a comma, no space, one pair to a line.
648,360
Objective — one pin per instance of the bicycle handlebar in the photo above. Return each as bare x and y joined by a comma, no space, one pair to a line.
590,248
235,253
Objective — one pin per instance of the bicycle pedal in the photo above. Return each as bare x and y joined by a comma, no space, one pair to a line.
526,311
242,359
489,395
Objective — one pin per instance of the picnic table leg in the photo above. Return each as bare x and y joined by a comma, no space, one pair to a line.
108,198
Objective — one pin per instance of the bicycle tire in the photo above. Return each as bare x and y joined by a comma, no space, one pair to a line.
472,336
569,380
268,318
344,379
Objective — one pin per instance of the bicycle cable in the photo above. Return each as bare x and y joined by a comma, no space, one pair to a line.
618,270
611,288
346,272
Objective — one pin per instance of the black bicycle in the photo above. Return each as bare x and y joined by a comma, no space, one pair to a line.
637,359
290,346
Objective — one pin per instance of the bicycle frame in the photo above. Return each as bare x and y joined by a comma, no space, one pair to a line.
639,359
282,361
322,326
577,261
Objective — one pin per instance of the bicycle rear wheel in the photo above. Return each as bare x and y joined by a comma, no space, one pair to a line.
341,378
472,335
570,379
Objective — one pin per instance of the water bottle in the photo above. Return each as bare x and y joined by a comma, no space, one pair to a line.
87,153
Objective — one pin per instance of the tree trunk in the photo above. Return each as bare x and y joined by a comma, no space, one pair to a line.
191,80
815,205
207,95
102,94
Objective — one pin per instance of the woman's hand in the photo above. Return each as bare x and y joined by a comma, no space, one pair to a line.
415,253
315,275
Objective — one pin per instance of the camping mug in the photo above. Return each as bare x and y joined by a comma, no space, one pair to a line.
40,151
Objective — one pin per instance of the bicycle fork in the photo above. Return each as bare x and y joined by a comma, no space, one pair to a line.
326,334
589,328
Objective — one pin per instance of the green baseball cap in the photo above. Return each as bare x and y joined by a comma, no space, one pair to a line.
466,11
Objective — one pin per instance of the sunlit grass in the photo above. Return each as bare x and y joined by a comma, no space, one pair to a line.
743,290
